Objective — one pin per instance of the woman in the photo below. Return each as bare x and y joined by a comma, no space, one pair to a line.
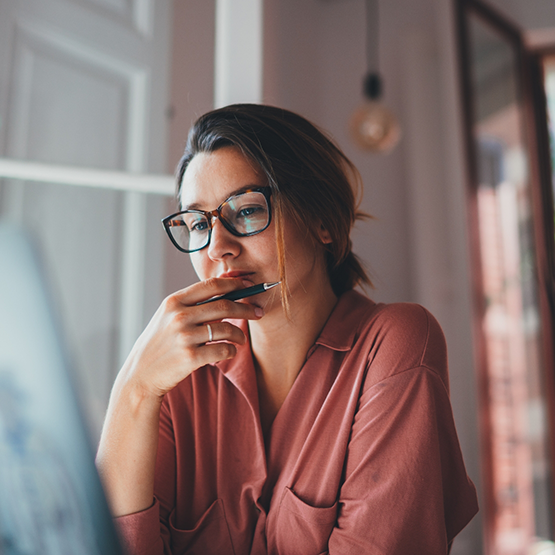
306,419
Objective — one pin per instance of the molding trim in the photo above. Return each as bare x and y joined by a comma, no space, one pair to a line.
87,177
238,52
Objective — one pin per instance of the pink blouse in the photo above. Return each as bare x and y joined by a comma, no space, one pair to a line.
362,457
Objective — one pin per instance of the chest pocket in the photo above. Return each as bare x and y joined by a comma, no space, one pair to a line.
209,535
302,529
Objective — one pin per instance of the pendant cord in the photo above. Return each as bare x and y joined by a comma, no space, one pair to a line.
372,85
372,36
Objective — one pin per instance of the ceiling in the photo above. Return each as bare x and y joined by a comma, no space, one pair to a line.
528,14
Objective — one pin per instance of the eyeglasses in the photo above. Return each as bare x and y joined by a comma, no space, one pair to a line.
244,214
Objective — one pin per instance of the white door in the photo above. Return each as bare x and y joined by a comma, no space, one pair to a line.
83,83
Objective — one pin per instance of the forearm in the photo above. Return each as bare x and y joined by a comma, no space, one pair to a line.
126,455
173,345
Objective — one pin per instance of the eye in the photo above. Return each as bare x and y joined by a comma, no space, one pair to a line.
196,223
200,225
248,211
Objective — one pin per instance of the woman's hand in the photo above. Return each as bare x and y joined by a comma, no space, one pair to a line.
175,342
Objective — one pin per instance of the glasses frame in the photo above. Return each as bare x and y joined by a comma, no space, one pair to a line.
217,213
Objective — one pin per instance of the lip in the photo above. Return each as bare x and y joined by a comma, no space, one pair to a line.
236,274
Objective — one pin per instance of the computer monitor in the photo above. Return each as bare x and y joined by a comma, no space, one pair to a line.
51,499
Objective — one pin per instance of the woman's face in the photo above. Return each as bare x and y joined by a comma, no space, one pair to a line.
210,179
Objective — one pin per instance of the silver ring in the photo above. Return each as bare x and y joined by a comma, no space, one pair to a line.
210,336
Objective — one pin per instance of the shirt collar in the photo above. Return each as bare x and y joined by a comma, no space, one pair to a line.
339,333
341,329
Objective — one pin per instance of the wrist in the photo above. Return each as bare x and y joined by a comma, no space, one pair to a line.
136,395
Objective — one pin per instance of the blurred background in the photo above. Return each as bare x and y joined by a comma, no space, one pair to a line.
97,96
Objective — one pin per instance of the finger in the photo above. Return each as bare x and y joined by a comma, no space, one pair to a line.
221,331
212,287
215,352
223,309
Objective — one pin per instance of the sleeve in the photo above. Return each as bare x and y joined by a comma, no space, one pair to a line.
140,532
405,487
147,532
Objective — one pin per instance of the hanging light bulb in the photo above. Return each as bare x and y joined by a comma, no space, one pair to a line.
373,126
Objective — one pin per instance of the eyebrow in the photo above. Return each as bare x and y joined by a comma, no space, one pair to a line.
197,206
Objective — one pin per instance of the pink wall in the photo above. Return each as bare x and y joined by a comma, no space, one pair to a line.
416,247
314,65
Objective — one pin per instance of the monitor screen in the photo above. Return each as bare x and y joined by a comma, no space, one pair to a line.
51,499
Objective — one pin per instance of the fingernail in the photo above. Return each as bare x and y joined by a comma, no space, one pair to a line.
259,312
247,282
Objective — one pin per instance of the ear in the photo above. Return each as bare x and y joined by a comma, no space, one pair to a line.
324,235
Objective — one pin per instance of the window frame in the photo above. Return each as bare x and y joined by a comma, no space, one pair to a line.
530,81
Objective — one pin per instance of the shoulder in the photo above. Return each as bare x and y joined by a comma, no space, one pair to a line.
405,322
402,336
396,321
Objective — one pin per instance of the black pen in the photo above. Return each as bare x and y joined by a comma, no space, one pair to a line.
242,293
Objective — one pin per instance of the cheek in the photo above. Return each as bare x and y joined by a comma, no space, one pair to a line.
303,255
261,246
199,263
266,248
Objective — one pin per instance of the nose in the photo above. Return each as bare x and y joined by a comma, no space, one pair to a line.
222,244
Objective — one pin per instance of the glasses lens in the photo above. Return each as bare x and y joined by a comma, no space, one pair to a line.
191,231
247,213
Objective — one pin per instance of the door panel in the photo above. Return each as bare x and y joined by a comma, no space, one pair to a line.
83,83
134,12
52,83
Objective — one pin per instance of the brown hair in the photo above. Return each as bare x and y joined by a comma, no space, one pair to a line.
312,181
